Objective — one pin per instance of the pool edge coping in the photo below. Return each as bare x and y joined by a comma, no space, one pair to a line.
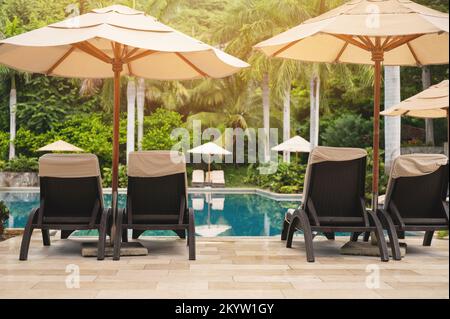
191,190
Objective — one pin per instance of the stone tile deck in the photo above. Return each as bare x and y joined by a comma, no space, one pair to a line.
225,268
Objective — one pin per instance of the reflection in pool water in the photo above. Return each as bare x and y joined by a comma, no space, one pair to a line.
215,214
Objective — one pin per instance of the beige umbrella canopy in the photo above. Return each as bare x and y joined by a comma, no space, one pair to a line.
60,146
297,144
112,42
209,148
431,103
374,32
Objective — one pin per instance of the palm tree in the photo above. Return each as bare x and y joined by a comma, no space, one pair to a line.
248,22
321,7
140,94
11,28
429,127
7,74
392,125
131,114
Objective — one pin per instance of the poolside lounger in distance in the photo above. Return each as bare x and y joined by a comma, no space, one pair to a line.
217,178
416,197
198,178
156,198
333,199
71,199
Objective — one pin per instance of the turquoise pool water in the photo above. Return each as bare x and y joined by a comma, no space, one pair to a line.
216,214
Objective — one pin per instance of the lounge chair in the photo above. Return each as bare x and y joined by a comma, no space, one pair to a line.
156,198
198,178
333,199
416,197
217,178
70,199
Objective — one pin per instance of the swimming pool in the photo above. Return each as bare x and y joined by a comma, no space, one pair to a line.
216,213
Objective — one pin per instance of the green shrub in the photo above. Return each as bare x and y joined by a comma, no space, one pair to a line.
107,176
4,215
383,178
46,101
21,164
348,130
158,128
442,234
288,178
4,145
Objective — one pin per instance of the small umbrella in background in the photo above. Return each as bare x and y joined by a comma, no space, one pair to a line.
60,146
296,145
431,103
209,149
388,32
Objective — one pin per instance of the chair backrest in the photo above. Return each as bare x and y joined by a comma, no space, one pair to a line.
334,185
157,187
198,176
417,188
70,189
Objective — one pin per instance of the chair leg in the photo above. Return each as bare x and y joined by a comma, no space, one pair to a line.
118,235
384,254
308,236
102,234
46,237
125,235
366,236
291,231
329,236
428,238
284,231
181,233
191,235
392,233
25,245
354,236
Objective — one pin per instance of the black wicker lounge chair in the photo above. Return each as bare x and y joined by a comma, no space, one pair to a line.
70,199
156,198
416,197
333,199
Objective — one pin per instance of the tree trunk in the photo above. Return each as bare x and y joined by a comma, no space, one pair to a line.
140,111
314,110
287,121
392,125
131,115
12,117
266,115
429,127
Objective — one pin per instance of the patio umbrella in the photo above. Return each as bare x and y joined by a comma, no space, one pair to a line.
112,42
296,144
431,103
209,149
60,146
374,32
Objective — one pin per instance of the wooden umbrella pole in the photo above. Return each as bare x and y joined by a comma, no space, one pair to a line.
377,57
117,69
